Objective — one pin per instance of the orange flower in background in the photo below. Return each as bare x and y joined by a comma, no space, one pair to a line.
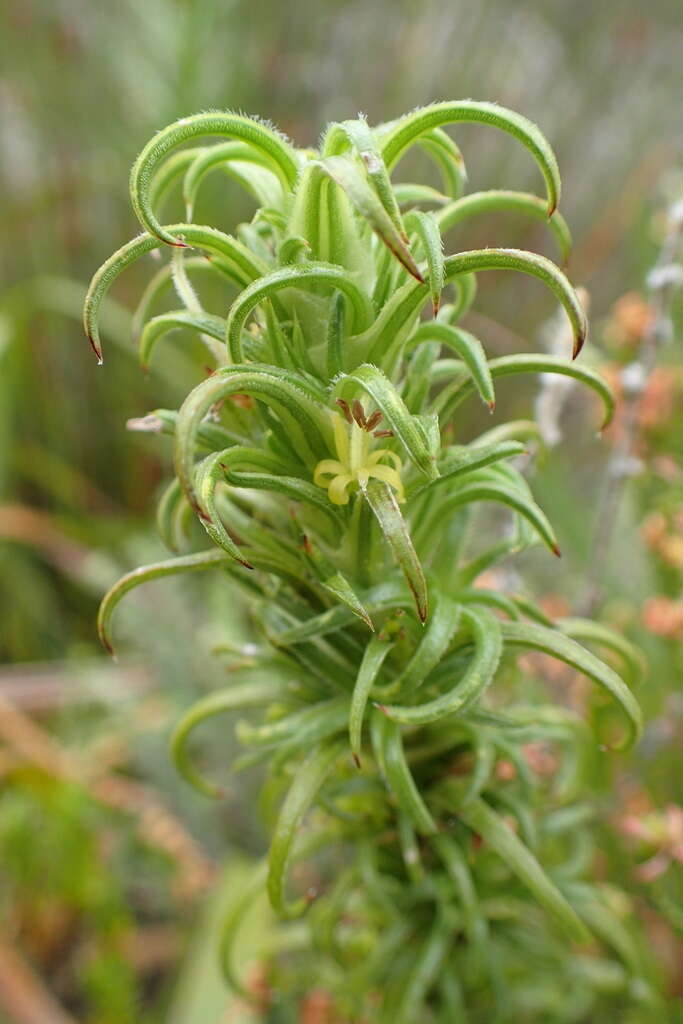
665,537
663,617
630,317
657,402
661,830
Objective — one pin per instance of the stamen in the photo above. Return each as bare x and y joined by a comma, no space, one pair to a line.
359,413
344,406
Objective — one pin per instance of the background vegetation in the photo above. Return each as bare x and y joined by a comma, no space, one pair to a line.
105,854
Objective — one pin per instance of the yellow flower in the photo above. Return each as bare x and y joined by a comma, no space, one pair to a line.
356,463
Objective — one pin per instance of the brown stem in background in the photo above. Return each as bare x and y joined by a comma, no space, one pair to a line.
23,997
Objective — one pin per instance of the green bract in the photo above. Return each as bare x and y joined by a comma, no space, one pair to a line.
317,454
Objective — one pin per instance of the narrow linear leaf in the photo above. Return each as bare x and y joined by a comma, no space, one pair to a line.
307,783
290,395
300,275
223,155
185,563
410,194
470,350
485,631
538,638
506,495
431,647
587,631
158,326
207,477
256,134
301,729
467,459
425,971
342,589
455,863
399,777
483,820
534,265
240,263
529,362
446,155
172,513
384,597
408,130
381,499
373,659
427,230
495,200
358,135
239,697
345,173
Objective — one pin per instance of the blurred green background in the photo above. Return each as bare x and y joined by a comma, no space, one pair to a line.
101,885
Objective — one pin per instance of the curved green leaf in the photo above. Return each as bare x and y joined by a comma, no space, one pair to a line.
261,137
308,781
239,697
289,394
431,647
408,130
539,638
483,491
399,778
528,362
172,513
300,275
411,193
345,173
384,597
243,265
485,631
467,459
597,633
358,135
342,589
224,155
186,563
527,263
469,348
446,155
176,319
503,199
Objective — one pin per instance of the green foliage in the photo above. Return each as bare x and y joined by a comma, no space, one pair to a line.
445,892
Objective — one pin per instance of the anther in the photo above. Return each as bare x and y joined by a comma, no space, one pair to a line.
359,414
344,406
